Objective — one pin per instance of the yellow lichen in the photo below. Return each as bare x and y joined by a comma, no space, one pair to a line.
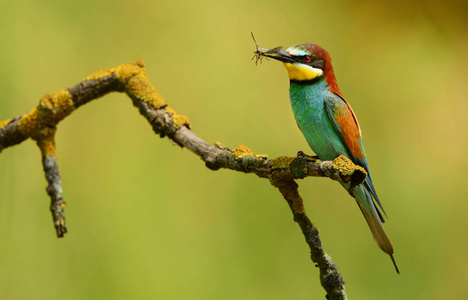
133,76
179,120
102,73
281,162
47,145
170,110
3,123
28,123
56,106
219,145
136,83
52,109
242,151
345,166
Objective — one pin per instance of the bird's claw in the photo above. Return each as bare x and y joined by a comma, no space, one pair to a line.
308,157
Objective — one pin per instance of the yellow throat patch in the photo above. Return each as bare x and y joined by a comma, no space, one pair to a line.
301,72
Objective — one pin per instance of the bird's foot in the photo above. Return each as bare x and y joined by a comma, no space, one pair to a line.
308,157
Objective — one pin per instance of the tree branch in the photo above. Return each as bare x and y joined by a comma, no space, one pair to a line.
40,124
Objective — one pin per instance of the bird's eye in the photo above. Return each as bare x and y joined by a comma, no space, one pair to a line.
306,59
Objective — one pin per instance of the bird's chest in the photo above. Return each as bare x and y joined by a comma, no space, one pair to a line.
308,105
308,102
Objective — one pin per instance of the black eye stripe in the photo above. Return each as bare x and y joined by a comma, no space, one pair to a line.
302,57
314,61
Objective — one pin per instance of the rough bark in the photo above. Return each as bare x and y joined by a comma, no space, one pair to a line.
40,124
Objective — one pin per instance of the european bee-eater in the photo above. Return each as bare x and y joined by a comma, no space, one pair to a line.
328,123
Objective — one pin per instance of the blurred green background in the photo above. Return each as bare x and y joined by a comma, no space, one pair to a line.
147,219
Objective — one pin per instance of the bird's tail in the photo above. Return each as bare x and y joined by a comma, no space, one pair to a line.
373,218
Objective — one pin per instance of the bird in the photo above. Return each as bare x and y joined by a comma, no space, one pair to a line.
329,124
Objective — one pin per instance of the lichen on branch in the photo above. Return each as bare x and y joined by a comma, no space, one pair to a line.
40,124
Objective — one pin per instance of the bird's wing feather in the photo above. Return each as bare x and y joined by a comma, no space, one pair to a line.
346,124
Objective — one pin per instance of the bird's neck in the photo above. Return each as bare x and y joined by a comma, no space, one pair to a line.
327,78
330,79
308,91
306,82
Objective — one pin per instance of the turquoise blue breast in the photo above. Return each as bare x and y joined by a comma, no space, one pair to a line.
308,105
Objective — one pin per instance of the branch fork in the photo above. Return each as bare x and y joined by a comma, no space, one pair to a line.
40,124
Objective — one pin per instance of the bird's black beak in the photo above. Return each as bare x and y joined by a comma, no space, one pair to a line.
275,53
